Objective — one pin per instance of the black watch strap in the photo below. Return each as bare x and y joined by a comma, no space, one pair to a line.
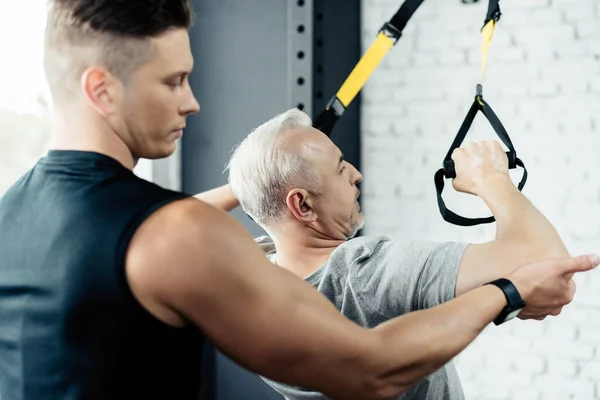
513,298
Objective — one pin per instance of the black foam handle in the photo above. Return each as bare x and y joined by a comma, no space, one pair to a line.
450,172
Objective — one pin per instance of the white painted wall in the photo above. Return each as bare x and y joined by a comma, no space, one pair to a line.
543,81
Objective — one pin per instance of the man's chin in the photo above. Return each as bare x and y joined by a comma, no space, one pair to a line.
160,153
356,228
352,235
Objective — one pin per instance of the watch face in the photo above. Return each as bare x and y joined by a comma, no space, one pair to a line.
513,314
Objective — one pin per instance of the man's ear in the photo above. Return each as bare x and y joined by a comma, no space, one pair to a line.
100,88
300,203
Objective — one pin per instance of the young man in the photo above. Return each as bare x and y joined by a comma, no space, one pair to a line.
109,284
305,198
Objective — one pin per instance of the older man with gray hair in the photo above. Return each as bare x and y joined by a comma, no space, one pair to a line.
294,182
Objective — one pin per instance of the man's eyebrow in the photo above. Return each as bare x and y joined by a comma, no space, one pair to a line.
341,160
178,74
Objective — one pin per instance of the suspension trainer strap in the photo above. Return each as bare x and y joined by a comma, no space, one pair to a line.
479,104
388,36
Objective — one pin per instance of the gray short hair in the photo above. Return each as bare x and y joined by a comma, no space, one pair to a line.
262,170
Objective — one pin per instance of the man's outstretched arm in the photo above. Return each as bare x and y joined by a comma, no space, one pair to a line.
221,197
192,264
523,233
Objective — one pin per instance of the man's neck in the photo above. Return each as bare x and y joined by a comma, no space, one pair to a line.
303,255
78,134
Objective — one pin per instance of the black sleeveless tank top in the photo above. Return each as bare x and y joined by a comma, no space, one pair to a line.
70,328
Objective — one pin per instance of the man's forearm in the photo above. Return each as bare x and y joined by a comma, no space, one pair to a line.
221,197
523,235
419,343
386,361
519,221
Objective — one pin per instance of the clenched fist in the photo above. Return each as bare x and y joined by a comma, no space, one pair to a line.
477,163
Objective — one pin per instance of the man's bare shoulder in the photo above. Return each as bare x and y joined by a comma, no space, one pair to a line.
178,224
174,245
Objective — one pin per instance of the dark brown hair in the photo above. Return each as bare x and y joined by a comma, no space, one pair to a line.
112,33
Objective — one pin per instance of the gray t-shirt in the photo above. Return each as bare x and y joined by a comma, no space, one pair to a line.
374,279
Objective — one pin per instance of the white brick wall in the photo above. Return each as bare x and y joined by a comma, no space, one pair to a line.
543,81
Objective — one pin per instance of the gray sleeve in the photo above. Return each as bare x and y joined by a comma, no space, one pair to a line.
400,277
266,244
437,283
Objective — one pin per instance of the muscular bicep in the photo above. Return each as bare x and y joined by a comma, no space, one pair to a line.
236,286
213,274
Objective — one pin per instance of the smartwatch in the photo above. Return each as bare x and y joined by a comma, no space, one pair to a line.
515,302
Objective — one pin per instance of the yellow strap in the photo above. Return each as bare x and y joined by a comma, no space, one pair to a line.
486,38
365,67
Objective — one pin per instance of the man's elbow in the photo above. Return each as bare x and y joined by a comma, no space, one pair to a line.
544,251
381,377
538,244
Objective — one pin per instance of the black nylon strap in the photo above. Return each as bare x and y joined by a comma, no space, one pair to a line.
493,12
479,104
448,170
326,120
404,13
463,130
450,216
